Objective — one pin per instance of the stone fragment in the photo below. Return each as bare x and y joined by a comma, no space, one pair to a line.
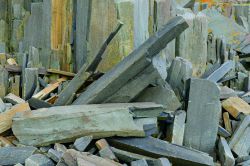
38,160
161,162
30,82
14,155
81,144
179,72
156,148
175,131
66,122
239,142
223,132
225,154
2,106
128,157
161,95
60,147
13,99
226,92
135,86
142,162
227,122
4,83
54,155
235,106
203,113
221,71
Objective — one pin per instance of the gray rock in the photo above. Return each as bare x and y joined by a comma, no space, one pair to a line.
175,131
161,95
54,155
13,99
142,162
162,162
239,142
38,160
30,82
2,106
225,154
179,72
60,147
81,144
14,155
203,113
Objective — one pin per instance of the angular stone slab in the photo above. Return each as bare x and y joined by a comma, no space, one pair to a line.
130,66
239,142
175,131
14,155
225,154
161,95
235,106
221,71
13,99
142,162
129,91
180,71
128,157
71,122
156,148
203,113
81,143
38,160
30,82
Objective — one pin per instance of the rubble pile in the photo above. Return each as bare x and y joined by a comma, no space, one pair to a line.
124,82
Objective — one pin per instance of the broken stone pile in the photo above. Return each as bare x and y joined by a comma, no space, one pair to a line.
160,83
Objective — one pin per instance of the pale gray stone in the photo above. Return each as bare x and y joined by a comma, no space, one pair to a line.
142,162
81,144
54,155
203,113
239,142
161,95
14,155
38,160
175,131
225,154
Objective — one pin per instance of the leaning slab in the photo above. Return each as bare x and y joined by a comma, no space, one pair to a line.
225,154
133,64
239,142
203,113
71,122
161,94
14,155
156,148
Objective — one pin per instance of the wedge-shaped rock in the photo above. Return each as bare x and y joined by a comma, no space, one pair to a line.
235,106
75,158
133,64
203,113
225,154
179,72
14,155
162,95
175,131
157,148
239,142
129,91
71,122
